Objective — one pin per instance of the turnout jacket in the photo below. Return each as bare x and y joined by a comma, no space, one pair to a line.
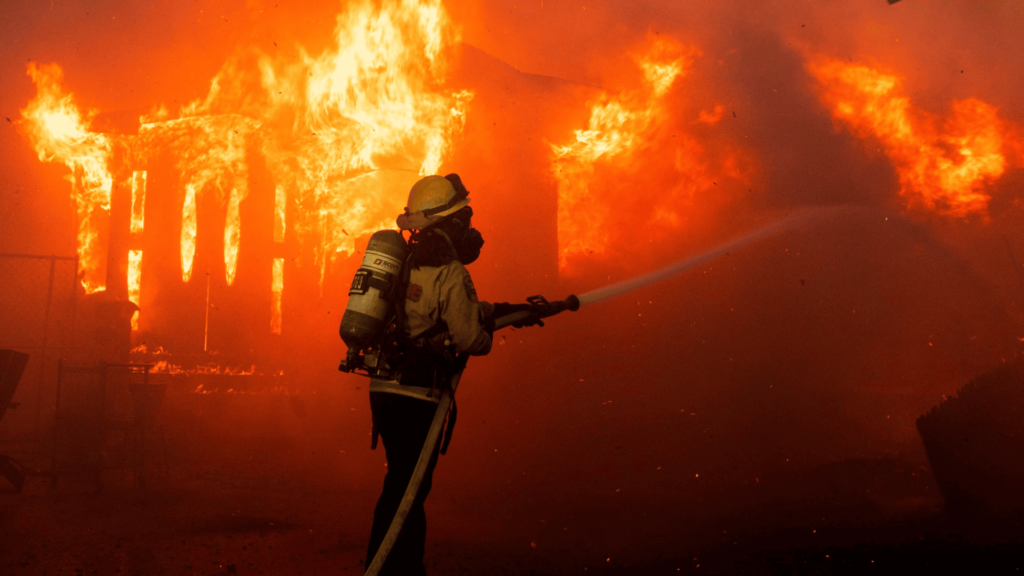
441,294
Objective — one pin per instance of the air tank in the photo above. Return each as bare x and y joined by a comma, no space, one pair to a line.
373,287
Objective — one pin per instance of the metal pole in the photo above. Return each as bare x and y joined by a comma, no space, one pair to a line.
42,351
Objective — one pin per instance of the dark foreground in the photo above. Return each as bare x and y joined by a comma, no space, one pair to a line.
270,507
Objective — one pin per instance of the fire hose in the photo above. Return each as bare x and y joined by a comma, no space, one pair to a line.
541,308
538,306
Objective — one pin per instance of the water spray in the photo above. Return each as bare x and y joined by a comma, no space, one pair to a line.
539,307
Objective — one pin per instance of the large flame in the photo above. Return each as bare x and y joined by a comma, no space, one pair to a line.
345,132
592,171
943,165
59,131
328,125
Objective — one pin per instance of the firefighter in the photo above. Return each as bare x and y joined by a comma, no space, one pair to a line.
444,321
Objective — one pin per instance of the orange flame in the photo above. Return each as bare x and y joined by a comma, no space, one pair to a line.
280,203
276,288
135,282
188,233
59,132
942,166
166,367
232,235
138,201
619,129
345,132
277,275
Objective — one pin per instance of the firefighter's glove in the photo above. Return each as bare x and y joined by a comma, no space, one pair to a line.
531,320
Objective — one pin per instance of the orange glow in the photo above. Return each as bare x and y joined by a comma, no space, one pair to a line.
616,129
592,171
138,201
712,117
188,233
165,367
348,130
232,236
135,282
943,165
276,288
280,201
59,132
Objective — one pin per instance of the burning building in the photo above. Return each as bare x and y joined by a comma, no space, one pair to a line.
227,186
203,217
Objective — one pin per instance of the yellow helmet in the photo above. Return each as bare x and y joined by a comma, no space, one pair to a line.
430,200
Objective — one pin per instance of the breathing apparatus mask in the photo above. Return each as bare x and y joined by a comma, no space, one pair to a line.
466,239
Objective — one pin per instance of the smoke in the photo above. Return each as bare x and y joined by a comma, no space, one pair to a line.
820,344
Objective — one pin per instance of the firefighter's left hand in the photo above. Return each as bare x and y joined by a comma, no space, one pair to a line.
531,320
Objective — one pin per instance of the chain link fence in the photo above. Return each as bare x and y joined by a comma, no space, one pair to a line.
37,316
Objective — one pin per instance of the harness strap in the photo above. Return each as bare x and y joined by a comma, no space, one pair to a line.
439,327
394,387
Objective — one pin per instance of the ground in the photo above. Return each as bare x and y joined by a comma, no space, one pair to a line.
268,507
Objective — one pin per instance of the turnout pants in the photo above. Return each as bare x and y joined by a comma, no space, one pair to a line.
403,423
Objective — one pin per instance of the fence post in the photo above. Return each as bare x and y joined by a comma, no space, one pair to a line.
42,348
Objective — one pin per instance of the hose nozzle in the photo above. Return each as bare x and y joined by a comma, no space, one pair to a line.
538,307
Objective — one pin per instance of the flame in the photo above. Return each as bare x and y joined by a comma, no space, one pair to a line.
135,282
232,236
188,232
166,367
280,202
59,132
143,349
346,132
943,165
329,125
277,273
276,288
138,201
619,129
616,129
